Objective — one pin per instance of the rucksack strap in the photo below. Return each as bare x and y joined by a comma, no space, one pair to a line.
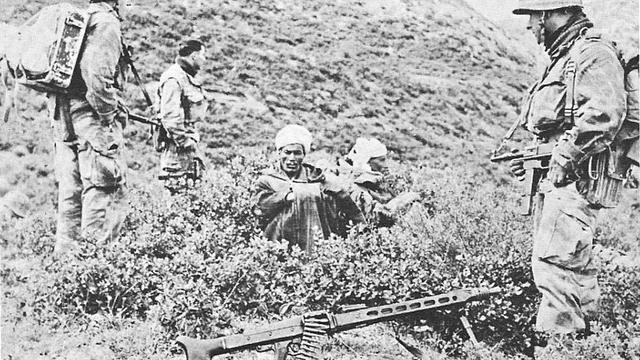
570,106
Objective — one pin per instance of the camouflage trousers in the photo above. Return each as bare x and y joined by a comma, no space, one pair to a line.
90,173
562,259
179,168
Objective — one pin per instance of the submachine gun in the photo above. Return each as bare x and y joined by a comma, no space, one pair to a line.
302,336
535,163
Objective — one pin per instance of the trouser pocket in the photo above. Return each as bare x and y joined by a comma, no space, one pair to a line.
101,169
565,238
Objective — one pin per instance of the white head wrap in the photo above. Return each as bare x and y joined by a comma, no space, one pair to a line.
365,149
294,134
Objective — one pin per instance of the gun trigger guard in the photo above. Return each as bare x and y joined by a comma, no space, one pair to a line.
265,348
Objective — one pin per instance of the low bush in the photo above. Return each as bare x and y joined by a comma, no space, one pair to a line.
196,261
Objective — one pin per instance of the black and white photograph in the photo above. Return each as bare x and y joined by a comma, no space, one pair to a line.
319,179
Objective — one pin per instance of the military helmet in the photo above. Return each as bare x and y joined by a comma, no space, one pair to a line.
528,6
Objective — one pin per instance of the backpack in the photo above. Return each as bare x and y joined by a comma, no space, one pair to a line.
628,135
608,169
45,52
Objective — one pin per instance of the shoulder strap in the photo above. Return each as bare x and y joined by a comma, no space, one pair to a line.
570,101
570,105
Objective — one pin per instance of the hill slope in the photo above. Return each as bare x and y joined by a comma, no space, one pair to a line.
432,78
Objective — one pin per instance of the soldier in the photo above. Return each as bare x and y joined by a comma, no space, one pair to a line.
365,168
585,69
296,200
181,104
89,144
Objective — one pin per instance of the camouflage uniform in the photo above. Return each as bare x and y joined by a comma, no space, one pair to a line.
89,144
182,103
320,199
562,260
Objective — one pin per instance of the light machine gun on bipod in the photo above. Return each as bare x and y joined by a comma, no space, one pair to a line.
301,336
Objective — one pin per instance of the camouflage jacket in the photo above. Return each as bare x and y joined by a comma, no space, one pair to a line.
320,200
181,103
98,79
100,60
599,95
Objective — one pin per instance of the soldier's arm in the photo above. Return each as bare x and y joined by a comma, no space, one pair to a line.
172,113
98,66
601,100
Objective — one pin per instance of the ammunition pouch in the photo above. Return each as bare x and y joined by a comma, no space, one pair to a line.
606,172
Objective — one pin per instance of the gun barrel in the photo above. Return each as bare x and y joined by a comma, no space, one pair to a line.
144,120
505,157
382,313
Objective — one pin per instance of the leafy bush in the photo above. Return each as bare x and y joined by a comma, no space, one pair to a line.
196,261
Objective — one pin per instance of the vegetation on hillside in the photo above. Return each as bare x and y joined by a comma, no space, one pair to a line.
435,81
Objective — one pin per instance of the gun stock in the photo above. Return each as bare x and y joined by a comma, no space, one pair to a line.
294,328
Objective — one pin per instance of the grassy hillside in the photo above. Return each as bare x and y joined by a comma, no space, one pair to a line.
433,79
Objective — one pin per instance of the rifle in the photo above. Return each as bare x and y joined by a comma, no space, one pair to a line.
126,54
302,335
144,120
535,163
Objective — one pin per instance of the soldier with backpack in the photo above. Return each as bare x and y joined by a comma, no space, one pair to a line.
181,104
88,133
579,105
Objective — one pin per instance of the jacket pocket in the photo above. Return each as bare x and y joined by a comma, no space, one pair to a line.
547,106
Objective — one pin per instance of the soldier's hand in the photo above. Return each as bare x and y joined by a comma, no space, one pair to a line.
633,177
517,167
557,174
190,144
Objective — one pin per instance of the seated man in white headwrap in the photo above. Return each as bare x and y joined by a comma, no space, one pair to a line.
296,201
365,167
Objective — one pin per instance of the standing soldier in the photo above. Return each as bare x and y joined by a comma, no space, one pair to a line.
89,144
578,104
181,103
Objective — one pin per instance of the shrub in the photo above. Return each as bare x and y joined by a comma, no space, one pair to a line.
197,260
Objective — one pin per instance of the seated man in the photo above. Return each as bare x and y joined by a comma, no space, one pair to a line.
365,167
296,201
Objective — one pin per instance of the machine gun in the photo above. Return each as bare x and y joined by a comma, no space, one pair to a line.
535,163
302,335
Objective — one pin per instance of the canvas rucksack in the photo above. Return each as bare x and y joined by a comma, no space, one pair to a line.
608,169
45,53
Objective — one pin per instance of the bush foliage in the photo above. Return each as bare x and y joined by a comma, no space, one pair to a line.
196,263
